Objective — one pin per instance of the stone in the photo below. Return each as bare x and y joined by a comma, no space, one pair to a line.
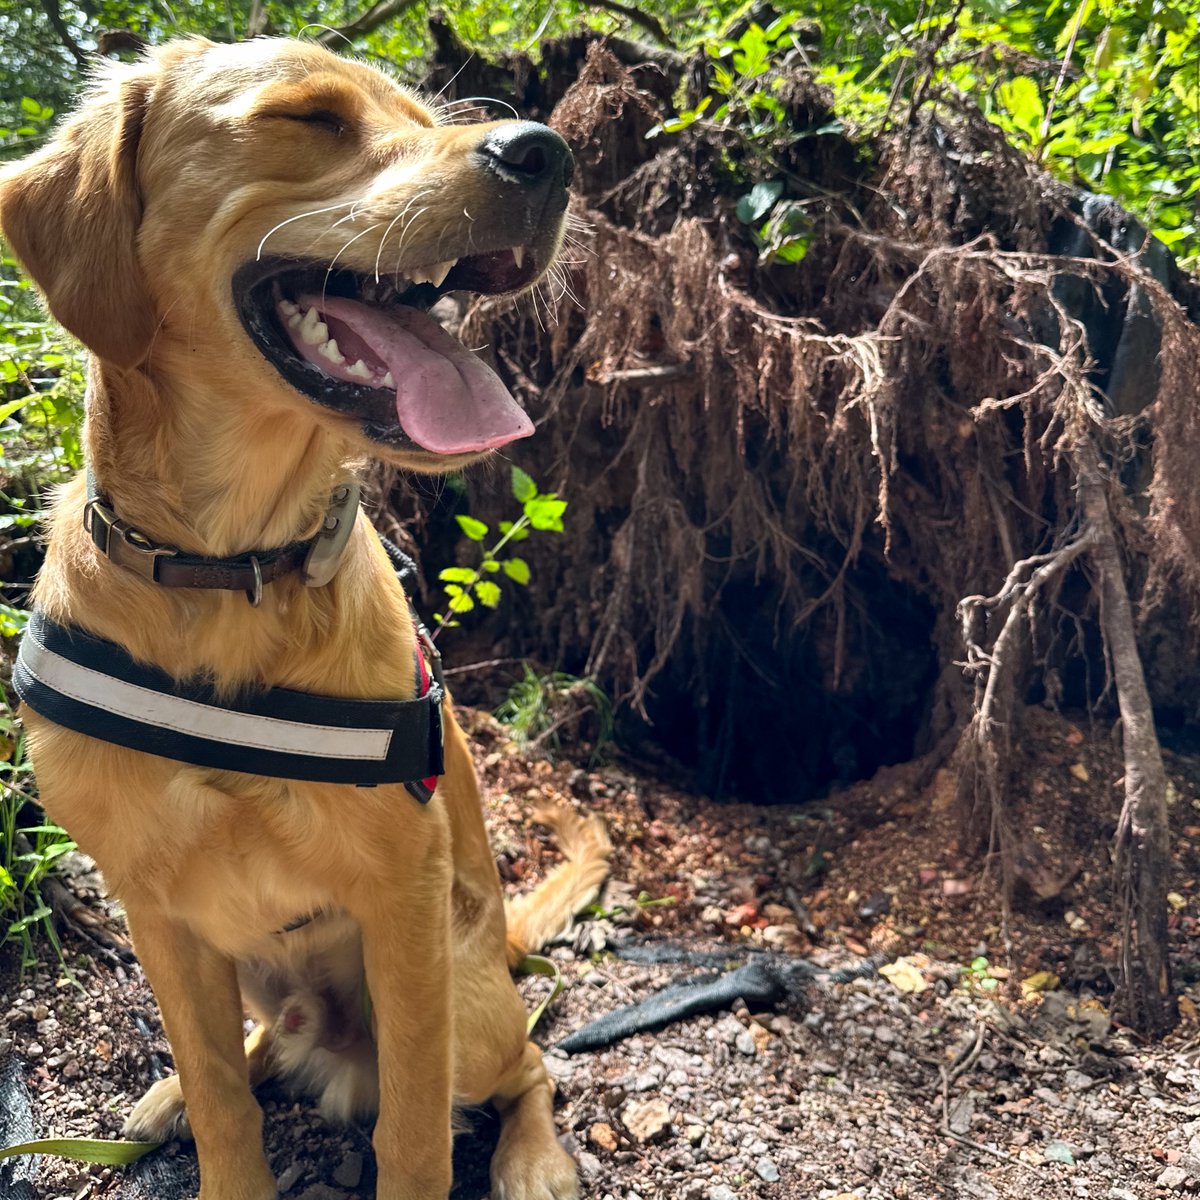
746,1044
647,1120
721,1192
766,1170
289,1177
349,1170
603,1136
1172,1177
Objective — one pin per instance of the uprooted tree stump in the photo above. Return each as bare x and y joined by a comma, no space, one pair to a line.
805,500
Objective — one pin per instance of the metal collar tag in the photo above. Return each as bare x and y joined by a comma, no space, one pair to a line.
325,554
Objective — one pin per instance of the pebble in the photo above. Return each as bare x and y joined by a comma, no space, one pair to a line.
289,1177
745,1043
721,1192
1172,1177
646,1120
349,1171
603,1135
766,1170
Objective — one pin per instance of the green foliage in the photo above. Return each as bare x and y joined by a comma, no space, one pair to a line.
1104,93
465,587
978,974
29,847
538,706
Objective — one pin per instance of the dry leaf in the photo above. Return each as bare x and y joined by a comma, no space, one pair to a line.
904,975
1039,981
1080,772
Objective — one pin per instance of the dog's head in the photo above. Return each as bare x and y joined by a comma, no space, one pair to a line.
273,223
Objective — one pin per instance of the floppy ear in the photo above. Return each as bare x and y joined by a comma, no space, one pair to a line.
71,212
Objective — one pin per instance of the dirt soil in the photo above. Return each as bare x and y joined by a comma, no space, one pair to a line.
943,1076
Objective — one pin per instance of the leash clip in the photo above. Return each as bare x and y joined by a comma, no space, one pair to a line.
325,554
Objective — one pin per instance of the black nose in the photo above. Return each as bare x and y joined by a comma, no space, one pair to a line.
528,153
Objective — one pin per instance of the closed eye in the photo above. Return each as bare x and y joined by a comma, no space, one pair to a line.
323,117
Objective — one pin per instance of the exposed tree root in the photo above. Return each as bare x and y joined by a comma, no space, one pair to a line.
785,479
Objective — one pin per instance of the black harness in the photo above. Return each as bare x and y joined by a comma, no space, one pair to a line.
93,686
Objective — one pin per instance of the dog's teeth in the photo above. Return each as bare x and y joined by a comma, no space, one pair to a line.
439,271
518,255
330,351
387,381
313,330
435,273
288,308
360,370
295,320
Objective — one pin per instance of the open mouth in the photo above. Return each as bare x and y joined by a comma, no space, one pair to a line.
367,346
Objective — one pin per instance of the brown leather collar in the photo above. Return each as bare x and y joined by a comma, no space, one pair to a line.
316,558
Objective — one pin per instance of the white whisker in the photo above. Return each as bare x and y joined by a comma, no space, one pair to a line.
346,246
316,212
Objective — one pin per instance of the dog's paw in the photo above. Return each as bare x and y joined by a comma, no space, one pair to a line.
522,1170
160,1115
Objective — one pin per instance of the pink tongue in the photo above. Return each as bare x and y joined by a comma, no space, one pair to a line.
447,400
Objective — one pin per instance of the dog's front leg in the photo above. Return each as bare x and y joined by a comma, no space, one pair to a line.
197,991
406,932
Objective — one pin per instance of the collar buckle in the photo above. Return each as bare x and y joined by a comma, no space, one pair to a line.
120,542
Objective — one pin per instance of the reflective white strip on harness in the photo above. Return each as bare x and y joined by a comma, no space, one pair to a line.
164,711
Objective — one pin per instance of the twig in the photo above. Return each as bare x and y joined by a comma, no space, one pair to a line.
55,17
364,23
963,1062
664,373
650,23
80,918
479,666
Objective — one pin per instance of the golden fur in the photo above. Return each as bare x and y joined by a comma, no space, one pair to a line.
131,222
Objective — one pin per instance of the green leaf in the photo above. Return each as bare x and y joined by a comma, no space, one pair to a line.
488,593
756,203
1023,101
89,1150
545,512
517,569
461,603
457,575
475,530
535,964
7,410
523,487
30,107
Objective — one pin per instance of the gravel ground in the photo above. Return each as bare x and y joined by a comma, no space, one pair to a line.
945,1078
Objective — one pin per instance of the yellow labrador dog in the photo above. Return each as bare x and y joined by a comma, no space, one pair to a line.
247,238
